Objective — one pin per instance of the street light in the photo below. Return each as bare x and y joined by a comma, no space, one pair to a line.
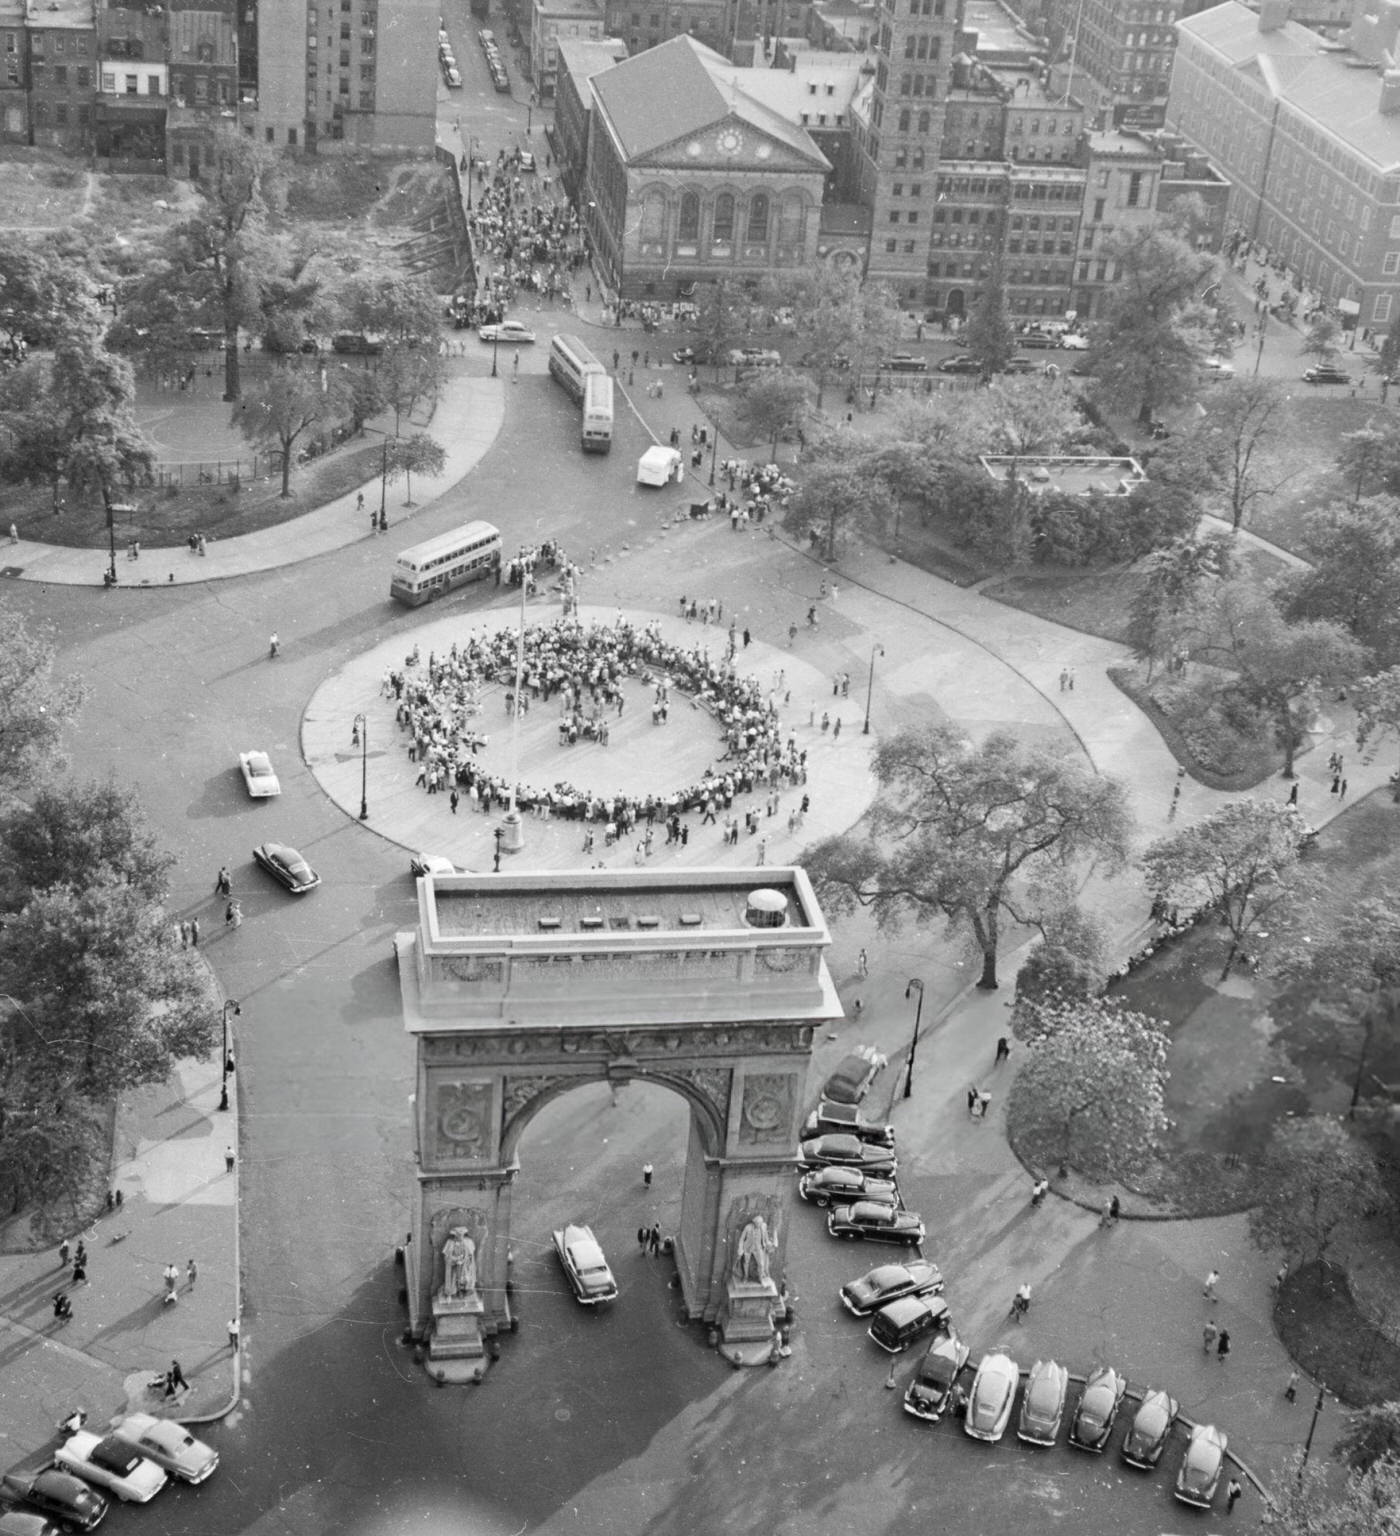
361,734
229,1002
914,984
495,346
714,455
879,650
1312,1430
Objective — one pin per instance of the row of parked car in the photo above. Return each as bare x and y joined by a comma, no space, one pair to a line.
448,60
848,1167
500,78
131,1463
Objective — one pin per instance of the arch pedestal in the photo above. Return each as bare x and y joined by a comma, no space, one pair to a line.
618,977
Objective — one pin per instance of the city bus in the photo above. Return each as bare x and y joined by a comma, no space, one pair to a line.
597,413
422,574
571,363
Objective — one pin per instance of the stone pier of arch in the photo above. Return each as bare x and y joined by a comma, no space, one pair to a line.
518,988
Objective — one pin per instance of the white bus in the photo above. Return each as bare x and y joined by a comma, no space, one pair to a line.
422,574
571,363
597,413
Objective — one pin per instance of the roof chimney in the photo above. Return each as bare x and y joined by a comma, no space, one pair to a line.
1390,93
1272,14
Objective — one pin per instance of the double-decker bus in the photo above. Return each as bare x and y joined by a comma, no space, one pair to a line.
597,413
423,573
572,363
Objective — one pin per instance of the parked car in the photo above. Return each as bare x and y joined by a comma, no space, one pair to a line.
1326,373
1201,1466
430,864
1074,341
848,1152
1043,1403
753,357
993,1392
846,1119
1037,339
258,777
1098,1409
877,1222
67,1498
486,38
1023,365
1219,367
851,1080
508,333
500,80
905,362
527,161
169,1445
584,1265
889,1282
287,867
111,1464
453,77
931,1390
447,58
1147,1434
24,1522
964,363
844,1186
354,343
902,1323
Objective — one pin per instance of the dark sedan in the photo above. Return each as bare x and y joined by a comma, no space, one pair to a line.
1098,1409
844,1186
876,1222
905,362
1147,1435
1024,365
888,1282
961,364
848,1152
931,1390
846,1120
287,867
1326,373
60,1494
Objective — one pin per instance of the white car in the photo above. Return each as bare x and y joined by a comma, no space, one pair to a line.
584,1264
431,864
510,332
1074,341
169,1445
1219,367
111,1464
256,768
454,81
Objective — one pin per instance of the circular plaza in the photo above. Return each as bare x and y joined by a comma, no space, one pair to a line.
632,723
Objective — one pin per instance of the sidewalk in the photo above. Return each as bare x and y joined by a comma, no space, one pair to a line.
466,422
179,1203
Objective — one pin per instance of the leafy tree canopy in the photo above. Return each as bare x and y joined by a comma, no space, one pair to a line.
34,705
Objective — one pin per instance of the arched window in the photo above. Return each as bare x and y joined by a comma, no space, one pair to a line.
758,218
689,229
724,218
790,229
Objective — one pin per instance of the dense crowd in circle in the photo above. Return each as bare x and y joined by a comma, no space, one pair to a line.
581,670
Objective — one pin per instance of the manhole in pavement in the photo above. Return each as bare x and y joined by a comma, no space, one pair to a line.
563,1414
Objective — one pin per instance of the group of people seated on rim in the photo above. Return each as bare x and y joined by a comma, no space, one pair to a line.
584,668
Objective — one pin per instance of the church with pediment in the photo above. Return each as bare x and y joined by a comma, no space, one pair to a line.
689,178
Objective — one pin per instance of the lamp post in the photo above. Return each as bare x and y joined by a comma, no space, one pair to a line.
495,347
361,734
1259,355
229,1002
111,538
1312,1430
879,650
915,984
714,455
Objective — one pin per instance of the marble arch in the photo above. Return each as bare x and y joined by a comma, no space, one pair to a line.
518,988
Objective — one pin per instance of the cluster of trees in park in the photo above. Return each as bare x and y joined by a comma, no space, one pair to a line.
238,267
95,996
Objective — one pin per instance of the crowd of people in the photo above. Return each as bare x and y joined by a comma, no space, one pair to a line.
522,240
583,669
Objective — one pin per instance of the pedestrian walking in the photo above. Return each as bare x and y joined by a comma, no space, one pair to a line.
647,1172
1209,1335
1344,790
172,1284
972,1101
274,645
642,1238
1222,1347
1003,1051
1234,1492
194,933
1209,1289
1114,1209
191,1274
1293,795
889,1380
63,1251
80,1257
360,502
1176,802
862,965
233,1334
184,935
235,915
228,1159
80,1268
654,1241
177,1377
1291,1390
224,884
984,1103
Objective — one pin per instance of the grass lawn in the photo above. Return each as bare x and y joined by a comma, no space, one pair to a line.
1332,1340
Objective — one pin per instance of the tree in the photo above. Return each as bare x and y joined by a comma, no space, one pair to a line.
403,378
1387,360
416,455
839,318
1376,700
41,295
1150,344
989,336
972,834
835,497
1354,576
283,406
1278,662
1322,338
1370,459
1173,579
1236,863
1051,974
35,707
1372,1434
1021,416
1091,1089
1244,423
772,401
723,319
390,304
1315,1180
78,834
1304,1505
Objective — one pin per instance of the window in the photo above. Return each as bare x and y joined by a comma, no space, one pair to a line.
689,228
925,119
1098,210
905,118
60,76
913,217
292,136
1134,188
60,114
269,133
894,215
724,218
132,84
1380,312
758,217
891,246
1390,263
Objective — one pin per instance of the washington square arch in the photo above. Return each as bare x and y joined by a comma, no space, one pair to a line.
518,988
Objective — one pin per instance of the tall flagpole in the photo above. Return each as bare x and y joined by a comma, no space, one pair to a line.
513,833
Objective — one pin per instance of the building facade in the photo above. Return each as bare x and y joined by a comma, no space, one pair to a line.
61,44
579,61
647,23
14,73
1308,135
689,179
1121,53
553,22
